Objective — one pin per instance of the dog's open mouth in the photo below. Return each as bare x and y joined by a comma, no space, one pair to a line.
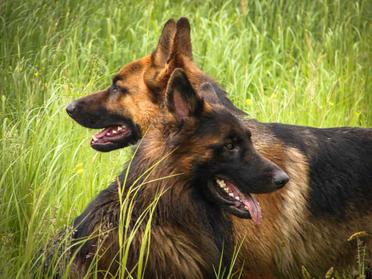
113,137
239,204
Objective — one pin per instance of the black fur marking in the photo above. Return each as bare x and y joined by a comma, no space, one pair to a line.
341,172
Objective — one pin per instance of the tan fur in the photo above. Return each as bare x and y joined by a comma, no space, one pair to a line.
283,215
137,103
178,250
168,245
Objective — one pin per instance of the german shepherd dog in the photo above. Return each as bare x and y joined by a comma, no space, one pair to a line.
220,169
306,223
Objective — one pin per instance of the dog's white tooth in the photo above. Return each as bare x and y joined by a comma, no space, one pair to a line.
231,195
220,183
114,132
94,138
237,198
120,128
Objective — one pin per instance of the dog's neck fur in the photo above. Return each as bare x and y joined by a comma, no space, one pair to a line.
182,214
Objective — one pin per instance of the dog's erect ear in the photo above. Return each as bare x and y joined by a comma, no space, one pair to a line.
165,44
183,38
182,100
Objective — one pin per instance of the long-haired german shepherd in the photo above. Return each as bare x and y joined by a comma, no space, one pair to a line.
215,169
306,223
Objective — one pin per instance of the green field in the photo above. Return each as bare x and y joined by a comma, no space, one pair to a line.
300,62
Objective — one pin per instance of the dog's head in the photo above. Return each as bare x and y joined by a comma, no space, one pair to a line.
213,148
129,105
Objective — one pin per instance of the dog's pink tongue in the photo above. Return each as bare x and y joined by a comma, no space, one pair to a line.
254,209
103,132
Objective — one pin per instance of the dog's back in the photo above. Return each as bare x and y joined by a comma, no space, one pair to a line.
340,166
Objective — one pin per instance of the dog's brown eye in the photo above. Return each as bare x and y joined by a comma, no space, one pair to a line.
117,89
124,90
229,146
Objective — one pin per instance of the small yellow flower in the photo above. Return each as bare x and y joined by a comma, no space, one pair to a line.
248,102
36,74
79,168
79,171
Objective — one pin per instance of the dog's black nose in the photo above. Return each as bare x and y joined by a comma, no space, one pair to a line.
280,178
71,108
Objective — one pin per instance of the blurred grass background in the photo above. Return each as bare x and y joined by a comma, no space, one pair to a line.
300,62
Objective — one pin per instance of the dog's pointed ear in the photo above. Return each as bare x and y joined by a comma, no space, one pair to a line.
183,45
164,48
182,100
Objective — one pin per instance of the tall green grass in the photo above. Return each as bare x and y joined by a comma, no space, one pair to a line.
299,62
